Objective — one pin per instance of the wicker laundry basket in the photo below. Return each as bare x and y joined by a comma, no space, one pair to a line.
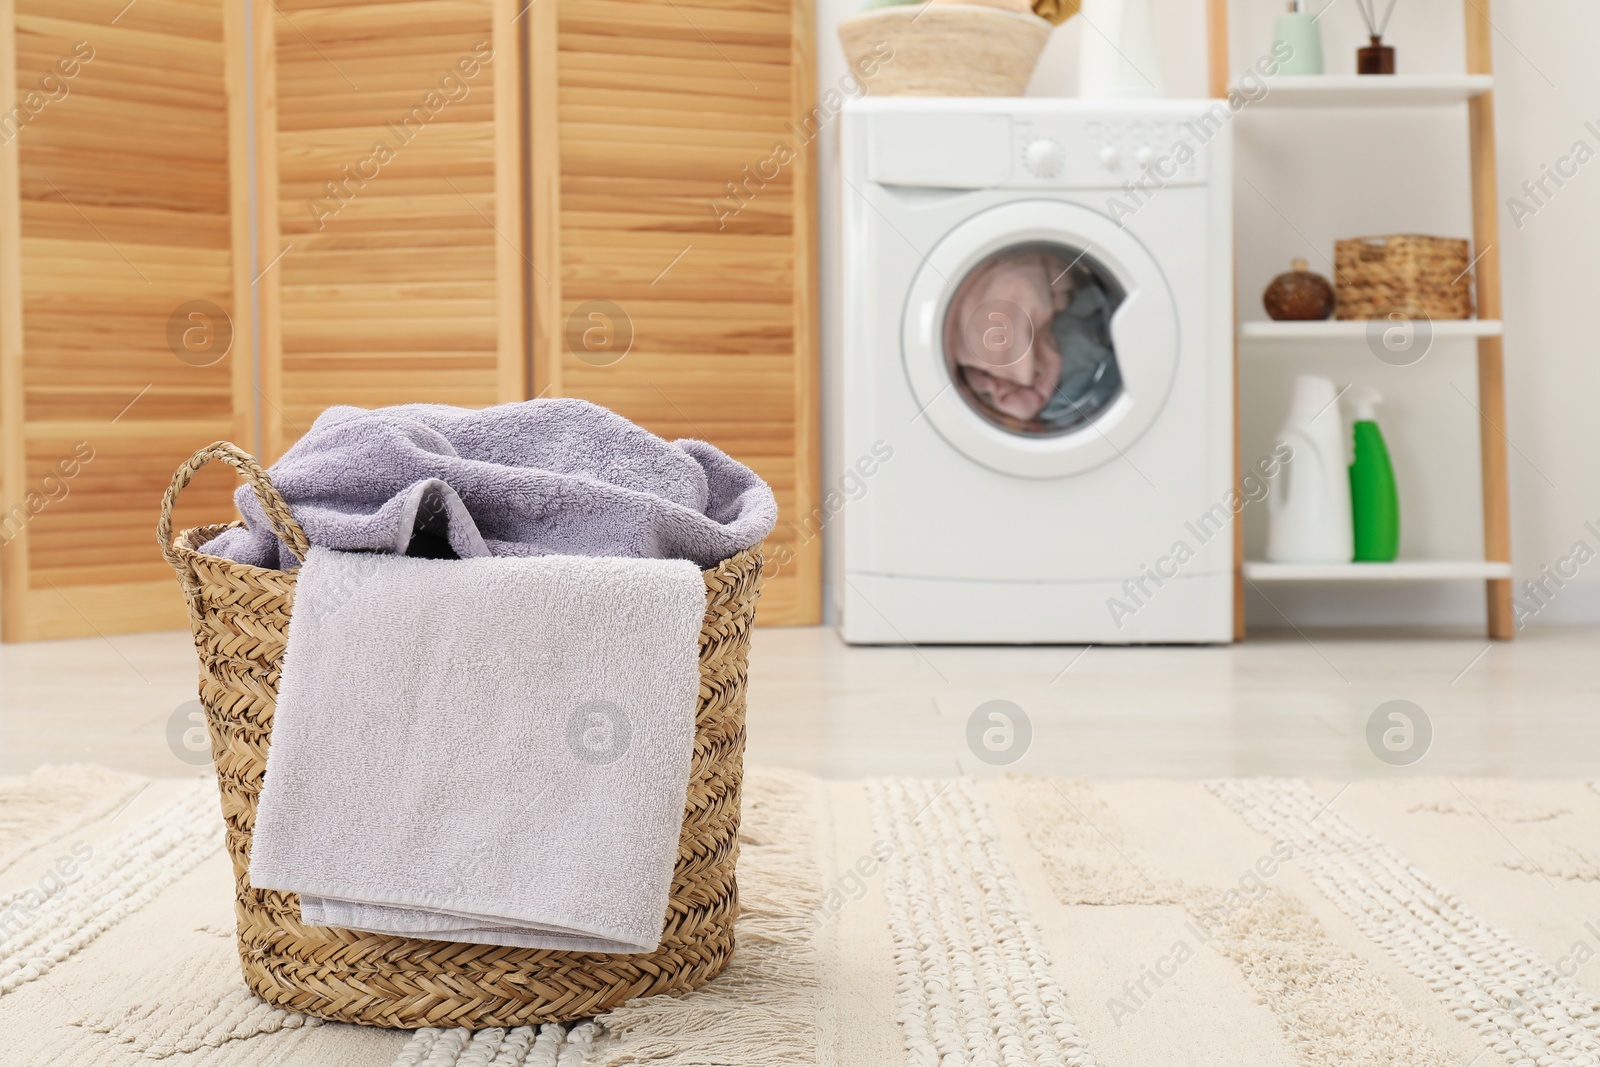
240,615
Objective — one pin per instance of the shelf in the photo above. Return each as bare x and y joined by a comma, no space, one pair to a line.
1355,330
1346,100
1371,90
1398,571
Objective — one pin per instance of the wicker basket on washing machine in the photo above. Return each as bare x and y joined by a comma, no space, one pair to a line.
943,49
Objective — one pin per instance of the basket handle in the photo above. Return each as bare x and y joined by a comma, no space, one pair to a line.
272,502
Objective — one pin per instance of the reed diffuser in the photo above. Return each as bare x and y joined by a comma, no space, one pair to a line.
1376,57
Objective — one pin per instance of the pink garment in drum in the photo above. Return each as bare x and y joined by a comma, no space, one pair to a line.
998,330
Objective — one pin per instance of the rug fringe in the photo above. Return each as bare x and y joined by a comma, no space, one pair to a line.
55,800
764,1007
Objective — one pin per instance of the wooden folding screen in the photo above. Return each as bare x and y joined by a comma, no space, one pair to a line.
394,257
390,187
124,323
673,229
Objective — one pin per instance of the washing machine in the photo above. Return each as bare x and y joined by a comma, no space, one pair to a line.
1034,378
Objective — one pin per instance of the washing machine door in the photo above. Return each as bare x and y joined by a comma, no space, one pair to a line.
1040,339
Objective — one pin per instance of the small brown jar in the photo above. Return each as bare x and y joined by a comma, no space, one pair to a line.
1299,295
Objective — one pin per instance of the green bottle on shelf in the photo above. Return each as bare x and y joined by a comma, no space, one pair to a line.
1374,503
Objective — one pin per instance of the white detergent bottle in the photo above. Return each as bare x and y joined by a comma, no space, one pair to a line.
1308,510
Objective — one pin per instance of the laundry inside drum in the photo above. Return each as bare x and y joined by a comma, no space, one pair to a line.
1027,339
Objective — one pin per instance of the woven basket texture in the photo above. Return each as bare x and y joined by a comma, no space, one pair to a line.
944,49
1408,274
240,617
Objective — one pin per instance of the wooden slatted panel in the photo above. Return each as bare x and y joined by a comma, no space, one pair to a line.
119,209
394,181
644,112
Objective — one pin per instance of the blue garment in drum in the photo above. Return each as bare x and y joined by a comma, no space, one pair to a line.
1090,380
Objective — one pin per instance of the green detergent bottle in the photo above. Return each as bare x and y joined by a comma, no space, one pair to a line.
1374,504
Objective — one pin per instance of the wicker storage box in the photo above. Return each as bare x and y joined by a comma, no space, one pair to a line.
1408,273
240,615
944,49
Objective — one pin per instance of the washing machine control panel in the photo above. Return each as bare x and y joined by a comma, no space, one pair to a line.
1070,151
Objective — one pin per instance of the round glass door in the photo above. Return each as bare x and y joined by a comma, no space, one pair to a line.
1027,338
1040,338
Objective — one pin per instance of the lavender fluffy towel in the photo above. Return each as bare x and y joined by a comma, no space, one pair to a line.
542,477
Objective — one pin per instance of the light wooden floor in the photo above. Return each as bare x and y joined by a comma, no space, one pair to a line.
1278,704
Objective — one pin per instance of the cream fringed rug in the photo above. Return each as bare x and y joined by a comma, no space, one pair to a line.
1015,922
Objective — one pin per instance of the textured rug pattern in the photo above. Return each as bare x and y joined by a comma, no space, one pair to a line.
50,920
1516,1000
975,980
523,1046
54,801
1336,1010
154,1025
1016,922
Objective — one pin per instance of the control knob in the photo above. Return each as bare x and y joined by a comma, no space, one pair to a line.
1043,158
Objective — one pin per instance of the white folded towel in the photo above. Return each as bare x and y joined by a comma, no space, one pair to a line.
488,750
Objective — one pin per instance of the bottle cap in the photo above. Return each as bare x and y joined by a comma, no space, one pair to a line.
1365,399
1311,396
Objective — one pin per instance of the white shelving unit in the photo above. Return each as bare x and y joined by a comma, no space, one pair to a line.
1344,331
1366,90
1402,570
1470,93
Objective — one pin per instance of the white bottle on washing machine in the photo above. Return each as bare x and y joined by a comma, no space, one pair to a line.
1119,60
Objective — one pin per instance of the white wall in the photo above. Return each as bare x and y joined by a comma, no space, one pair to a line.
1304,181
